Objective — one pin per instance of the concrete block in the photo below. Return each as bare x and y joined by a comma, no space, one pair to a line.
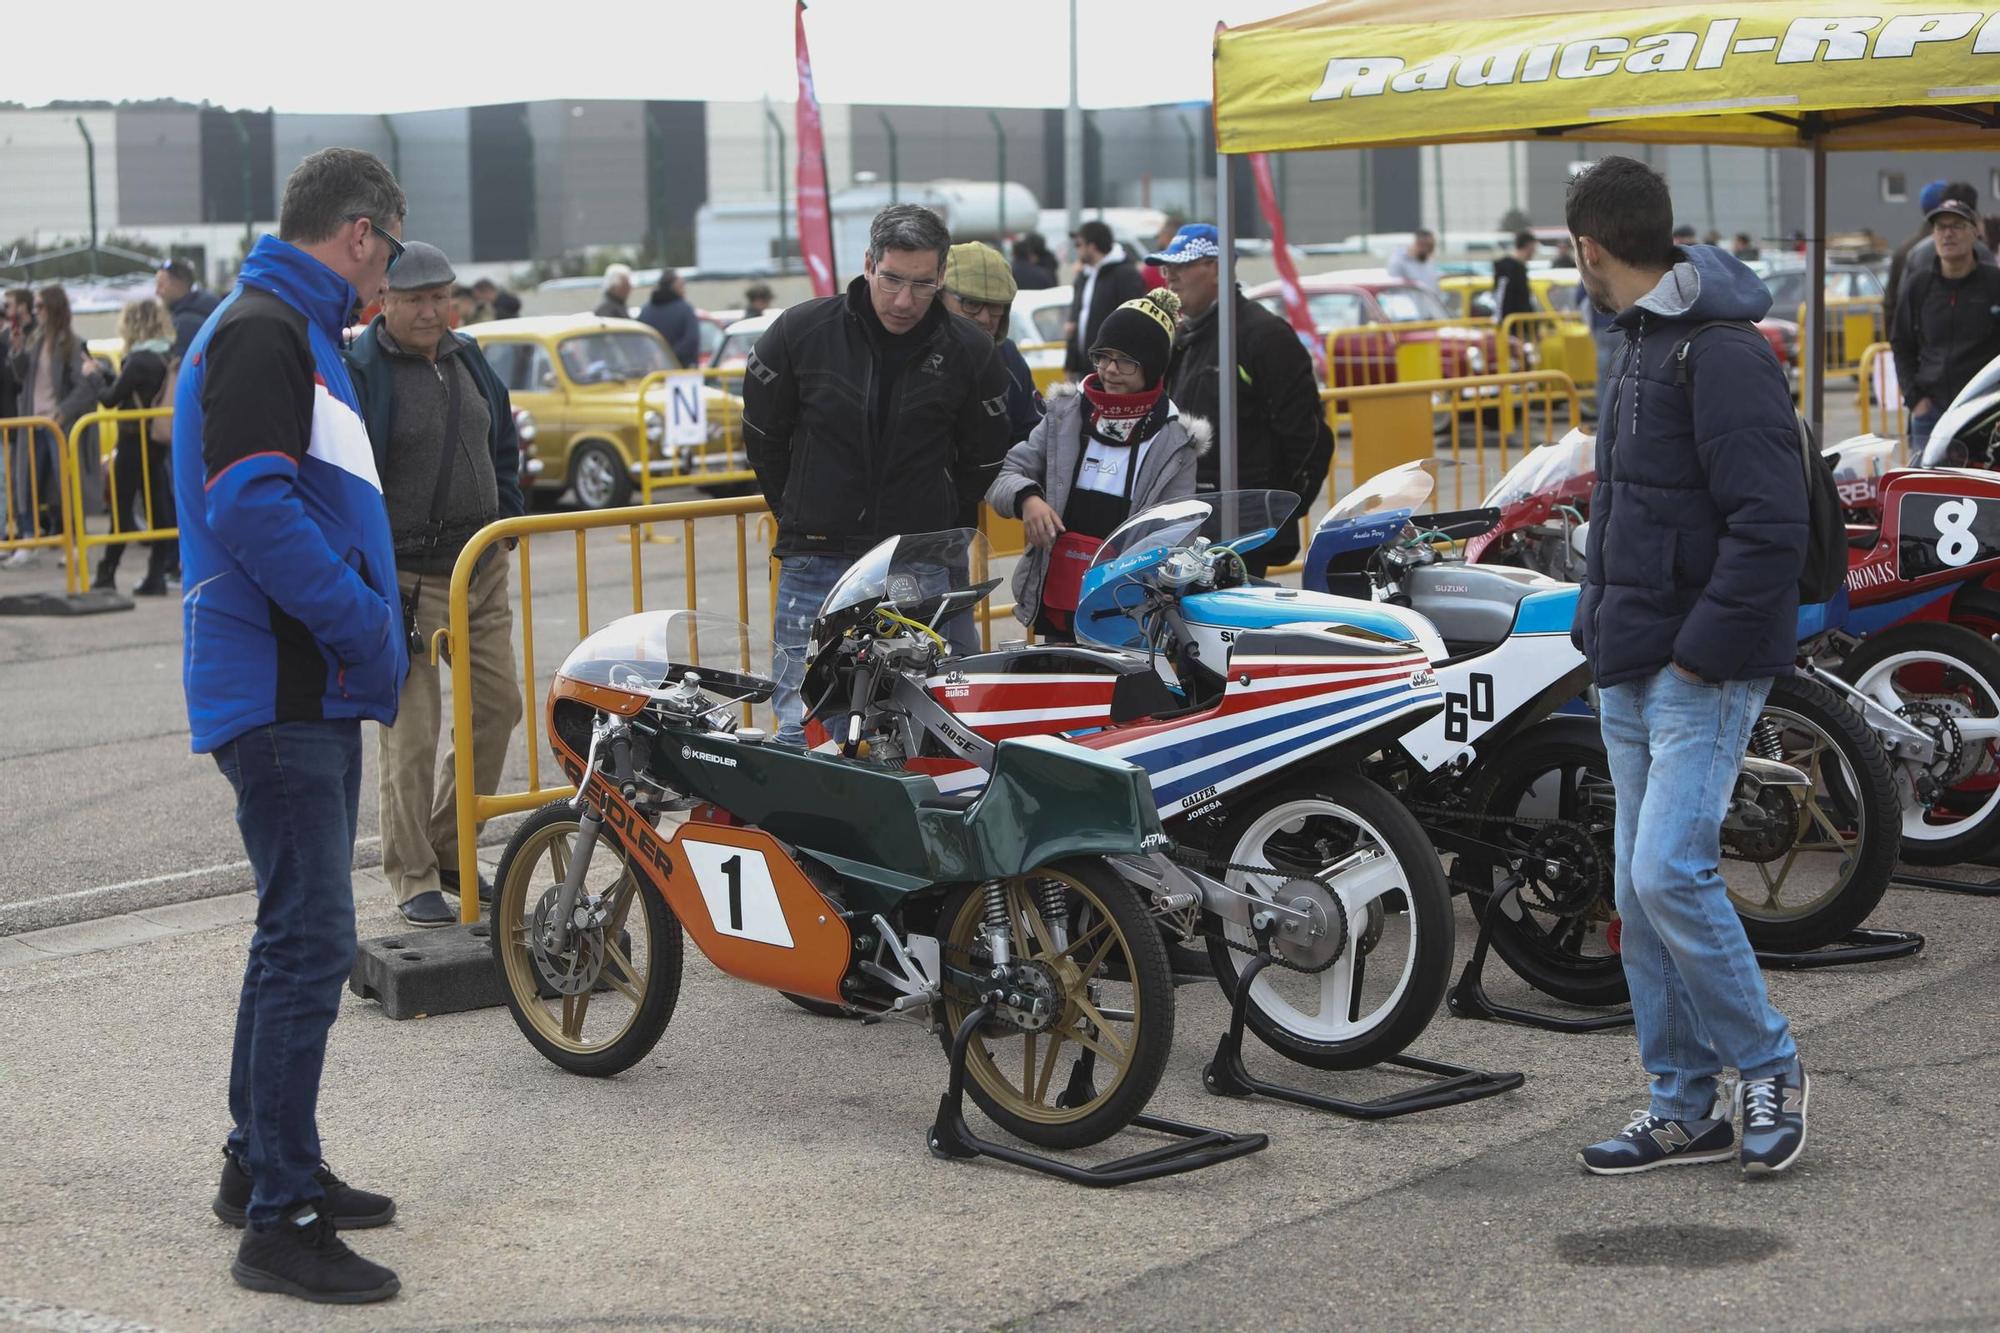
61,604
413,973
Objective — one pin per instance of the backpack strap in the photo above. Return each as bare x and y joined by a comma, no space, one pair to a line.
1682,376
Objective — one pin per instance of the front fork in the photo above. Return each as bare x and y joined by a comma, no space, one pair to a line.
617,734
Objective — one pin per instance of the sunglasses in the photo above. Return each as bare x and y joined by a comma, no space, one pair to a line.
395,246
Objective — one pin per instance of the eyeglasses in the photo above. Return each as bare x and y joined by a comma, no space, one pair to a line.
972,309
895,285
395,246
1124,365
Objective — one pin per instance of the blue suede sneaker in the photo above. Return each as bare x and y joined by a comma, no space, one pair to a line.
1774,1120
1650,1141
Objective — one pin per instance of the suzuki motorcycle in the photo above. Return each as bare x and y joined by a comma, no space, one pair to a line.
841,880
1810,838
1908,642
1252,738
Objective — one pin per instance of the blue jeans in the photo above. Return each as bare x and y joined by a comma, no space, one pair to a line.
1698,998
803,584
298,791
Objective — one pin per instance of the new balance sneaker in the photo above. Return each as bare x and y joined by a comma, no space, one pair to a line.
1774,1120
1650,1141
302,1256
351,1209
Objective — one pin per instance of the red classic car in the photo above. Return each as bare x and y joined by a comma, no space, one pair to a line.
1344,301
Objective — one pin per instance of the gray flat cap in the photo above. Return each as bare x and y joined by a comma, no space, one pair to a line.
422,265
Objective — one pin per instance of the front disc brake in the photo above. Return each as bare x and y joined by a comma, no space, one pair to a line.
576,969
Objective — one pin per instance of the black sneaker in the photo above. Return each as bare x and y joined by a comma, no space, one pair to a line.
351,1209
428,910
303,1257
1650,1141
1774,1120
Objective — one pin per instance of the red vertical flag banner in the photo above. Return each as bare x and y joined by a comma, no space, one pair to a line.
1288,273
815,217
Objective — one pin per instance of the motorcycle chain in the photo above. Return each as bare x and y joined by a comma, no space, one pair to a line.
1210,865
1536,900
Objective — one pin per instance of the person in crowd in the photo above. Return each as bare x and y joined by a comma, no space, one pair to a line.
15,329
914,453
56,380
1034,267
757,299
292,638
141,472
1170,225
1744,247
1106,450
617,291
1416,263
1282,439
497,301
1919,252
1106,278
189,305
1684,234
1947,321
667,311
1697,541
1565,255
442,431
979,286
465,307
1513,294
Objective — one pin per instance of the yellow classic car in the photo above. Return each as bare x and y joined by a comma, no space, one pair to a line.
575,383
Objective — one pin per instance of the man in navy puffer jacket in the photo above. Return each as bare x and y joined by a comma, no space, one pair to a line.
1698,536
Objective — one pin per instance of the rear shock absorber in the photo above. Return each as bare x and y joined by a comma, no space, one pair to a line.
1055,910
998,936
1766,740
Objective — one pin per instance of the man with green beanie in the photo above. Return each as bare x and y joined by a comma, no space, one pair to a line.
979,284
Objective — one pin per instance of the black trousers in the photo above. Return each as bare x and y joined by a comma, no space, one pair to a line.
128,484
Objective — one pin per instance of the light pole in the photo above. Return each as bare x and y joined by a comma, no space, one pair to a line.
889,133
1073,137
90,169
1000,170
784,230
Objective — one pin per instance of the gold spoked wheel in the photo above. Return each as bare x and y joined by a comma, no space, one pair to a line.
599,1003
1101,971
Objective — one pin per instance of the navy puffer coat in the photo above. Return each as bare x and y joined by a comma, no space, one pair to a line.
1698,522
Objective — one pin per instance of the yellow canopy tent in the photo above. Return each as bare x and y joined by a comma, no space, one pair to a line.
1879,74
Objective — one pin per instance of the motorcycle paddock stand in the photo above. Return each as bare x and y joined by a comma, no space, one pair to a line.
1200,1147
1861,945
1468,998
1451,1085
1978,888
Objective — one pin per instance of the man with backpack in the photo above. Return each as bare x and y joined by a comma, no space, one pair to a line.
1699,535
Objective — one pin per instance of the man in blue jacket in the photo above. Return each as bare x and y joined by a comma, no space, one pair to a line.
1689,609
291,637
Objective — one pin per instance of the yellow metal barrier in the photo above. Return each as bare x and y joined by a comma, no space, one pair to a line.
1396,423
82,540
1417,349
720,460
1868,395
19,474
474,808
1853,324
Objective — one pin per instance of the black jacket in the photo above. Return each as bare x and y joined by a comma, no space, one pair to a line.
140,376
1512,292
368,367
1698,521
839,479
1118,281
1945,331
1032,277
190,313
1278,418
674,319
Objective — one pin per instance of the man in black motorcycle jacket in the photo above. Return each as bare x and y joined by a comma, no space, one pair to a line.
867,415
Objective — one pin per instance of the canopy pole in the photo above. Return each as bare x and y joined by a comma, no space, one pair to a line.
1815,329
1225,322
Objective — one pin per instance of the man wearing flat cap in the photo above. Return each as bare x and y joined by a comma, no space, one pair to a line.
979,284
443,434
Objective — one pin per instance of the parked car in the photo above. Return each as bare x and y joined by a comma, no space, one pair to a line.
1354,298
577,378
1471,294
1038,316
1785,276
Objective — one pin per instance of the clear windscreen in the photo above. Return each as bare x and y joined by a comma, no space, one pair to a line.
1864,458
1408,486
656,649
1545,468
906,572
1241,519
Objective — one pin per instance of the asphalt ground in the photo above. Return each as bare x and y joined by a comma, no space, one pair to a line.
766,1169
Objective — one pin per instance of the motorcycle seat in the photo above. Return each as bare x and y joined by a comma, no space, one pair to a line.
1473,606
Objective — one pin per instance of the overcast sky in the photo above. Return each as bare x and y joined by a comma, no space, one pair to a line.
403,56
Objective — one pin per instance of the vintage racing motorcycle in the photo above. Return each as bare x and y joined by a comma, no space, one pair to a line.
1252,739
844,881
1514,782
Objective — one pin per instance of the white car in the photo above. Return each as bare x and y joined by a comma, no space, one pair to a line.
1039,317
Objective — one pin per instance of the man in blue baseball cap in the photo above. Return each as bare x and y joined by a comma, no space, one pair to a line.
1279,427
1919,253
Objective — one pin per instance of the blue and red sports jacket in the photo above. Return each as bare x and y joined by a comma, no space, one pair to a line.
291,611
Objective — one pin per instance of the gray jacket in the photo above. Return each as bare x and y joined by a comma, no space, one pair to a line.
1047,460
